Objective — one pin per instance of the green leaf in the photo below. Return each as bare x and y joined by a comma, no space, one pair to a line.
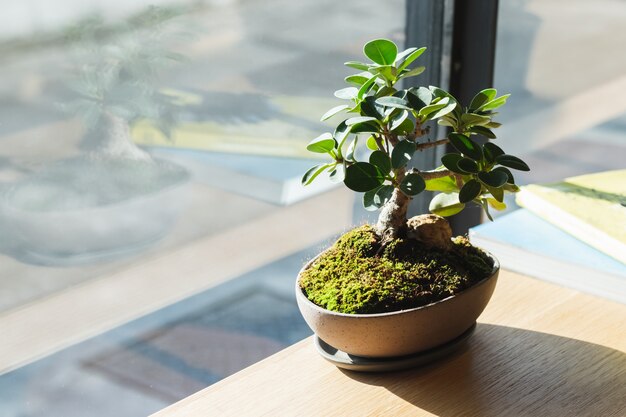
397,120
363,176
494,104
444,111
482,97
313,172
371,143
471,119
444,184
394,102
365,88
451,161
467,165
509,174
412,184
432,108
446,204
410,57
376,198
366,127
466,146
330,113
381,51
338,174
493,178
412,73
403,55
512,162
348,93
358,79
403,128
381,161
369,108
324,143
424,94
351,149
415,102
497,193
402,153
492,151
482,130
498,205
470,191
357,65
359,119
438,92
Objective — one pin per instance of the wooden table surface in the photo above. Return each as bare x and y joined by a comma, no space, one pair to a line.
538,350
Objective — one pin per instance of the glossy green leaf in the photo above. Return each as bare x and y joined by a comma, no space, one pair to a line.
395,102
410,57
482,130
348,93
509,174
351,149
407,126
424,94
358,79
438,92
448,109
357,65
434,107
444,184
512,162
494,104
338,173
370,108
397,120
381,51
330,113
366,127
466,146
451,161
359,119
482,97
492,151
371,143
412,73
493,178
468,165
362,177
446,204
378,197
402,153
471,119
412,184
497,193
313,172
381,161
324,143
470,191
365,88
498,205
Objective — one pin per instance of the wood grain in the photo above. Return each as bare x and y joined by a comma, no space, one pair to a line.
539,350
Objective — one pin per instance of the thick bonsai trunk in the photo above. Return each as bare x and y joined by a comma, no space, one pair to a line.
112,138
392,218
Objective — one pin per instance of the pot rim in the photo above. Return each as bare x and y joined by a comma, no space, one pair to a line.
302,296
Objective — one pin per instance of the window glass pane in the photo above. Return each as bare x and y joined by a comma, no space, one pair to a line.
562,62
152,221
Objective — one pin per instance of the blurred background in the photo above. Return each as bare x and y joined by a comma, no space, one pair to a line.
152,221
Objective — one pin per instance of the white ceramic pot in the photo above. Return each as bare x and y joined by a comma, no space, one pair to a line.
401,332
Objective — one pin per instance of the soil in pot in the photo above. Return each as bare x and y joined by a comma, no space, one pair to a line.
360,275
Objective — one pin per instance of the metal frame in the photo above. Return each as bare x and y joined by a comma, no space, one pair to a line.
461,37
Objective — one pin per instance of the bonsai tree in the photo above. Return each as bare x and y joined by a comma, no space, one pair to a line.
418,260
393,122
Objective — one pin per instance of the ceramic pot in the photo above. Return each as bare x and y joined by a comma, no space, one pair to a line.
401,332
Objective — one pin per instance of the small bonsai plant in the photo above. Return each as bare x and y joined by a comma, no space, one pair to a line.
401,263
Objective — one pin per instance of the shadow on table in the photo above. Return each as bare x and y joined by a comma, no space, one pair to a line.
506,371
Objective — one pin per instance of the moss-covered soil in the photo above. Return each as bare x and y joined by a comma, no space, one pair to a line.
356,276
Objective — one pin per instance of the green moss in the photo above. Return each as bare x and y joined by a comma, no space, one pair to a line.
356,276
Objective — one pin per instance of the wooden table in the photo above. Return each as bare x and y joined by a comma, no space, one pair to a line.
538,350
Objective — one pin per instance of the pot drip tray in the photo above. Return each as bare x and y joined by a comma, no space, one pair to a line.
368,364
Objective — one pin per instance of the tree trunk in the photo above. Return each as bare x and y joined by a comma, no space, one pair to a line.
392,219
112,138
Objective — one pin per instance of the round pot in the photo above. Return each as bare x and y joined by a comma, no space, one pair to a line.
400,332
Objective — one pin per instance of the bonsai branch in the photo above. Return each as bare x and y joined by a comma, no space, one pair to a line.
428,145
